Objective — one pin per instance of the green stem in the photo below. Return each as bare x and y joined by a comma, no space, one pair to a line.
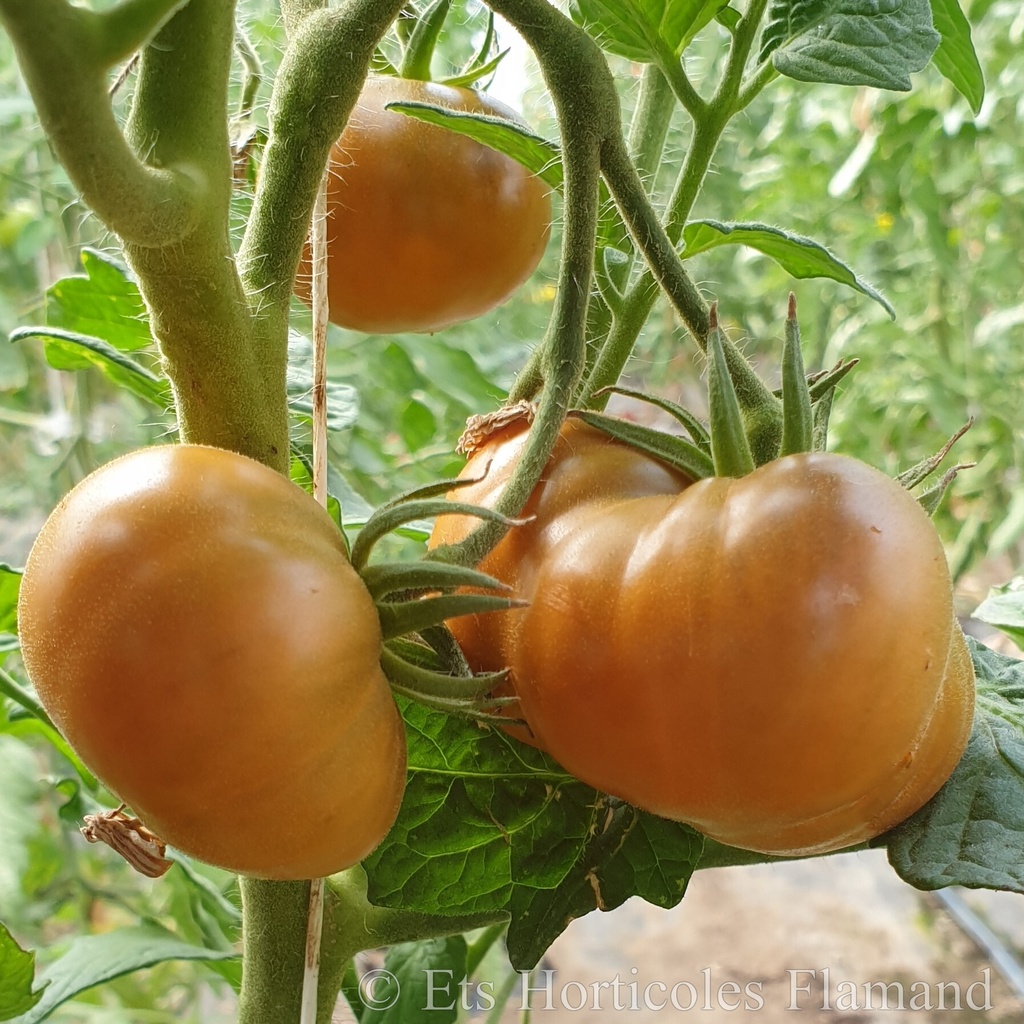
294,12
253,71
710,120
274,938
123,29
10,687
692,102
651,119
320,77
64,54
651,239
227,367
588,112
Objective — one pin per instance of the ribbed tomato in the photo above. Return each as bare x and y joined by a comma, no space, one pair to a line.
192,624
426,227
772,659
586,466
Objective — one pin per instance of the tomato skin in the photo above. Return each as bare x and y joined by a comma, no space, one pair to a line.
427,228
772,659
192,624
586,467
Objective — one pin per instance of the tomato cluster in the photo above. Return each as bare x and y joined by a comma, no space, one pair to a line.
426,227
772,659
192,624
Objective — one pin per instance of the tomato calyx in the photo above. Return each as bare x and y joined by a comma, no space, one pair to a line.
419,35
735,443
419,656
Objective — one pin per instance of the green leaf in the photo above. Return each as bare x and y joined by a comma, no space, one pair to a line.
68,350
10,583
420,983
17,969
626,852
94,959
971,832
878,43
536,154
491,824
644,30
342,399
105,304
1004,609
799,256
417,425
955,58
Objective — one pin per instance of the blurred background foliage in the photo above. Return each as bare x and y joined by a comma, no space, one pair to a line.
922,199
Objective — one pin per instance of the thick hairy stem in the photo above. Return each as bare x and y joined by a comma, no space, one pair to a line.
654,243
65,53
651,239
274,940
587,105
226,367
320,78
295,12
651,120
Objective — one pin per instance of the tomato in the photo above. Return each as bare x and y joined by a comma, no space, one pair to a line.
426,227
586,466
771,659
192,624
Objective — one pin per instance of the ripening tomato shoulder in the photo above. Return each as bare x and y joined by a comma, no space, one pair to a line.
192,624
772,659
426,227
586,467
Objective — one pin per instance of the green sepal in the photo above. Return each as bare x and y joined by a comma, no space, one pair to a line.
398,618
390,517
930,499
469,78
910,478
730,448
826,380
693,426
797,418
822,411
419,681
674,451
390,577
419,52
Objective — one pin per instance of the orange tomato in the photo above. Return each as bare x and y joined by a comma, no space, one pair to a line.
426,227
192,624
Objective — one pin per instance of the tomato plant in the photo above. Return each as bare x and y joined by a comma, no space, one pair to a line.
426,228
783,639
191,621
